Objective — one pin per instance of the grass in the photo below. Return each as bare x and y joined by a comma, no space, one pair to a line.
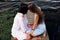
6,24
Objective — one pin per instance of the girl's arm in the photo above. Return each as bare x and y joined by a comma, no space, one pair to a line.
21,23
36,18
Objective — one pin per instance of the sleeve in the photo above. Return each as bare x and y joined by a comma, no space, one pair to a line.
21,23
14,26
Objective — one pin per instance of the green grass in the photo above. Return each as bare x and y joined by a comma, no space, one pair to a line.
5,24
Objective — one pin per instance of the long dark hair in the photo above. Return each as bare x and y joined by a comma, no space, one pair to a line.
35,9
23,8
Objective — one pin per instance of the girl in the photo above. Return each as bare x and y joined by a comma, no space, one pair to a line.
38,27
20,23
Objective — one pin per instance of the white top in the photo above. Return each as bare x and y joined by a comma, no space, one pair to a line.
19,26
19,22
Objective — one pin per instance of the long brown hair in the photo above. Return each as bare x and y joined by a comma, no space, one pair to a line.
35,9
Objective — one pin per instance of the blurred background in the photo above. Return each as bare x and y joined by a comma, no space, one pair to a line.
9,8
29,0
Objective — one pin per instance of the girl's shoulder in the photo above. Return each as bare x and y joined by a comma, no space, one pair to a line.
19,15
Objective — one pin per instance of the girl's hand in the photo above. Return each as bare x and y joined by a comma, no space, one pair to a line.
27,36
31,32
